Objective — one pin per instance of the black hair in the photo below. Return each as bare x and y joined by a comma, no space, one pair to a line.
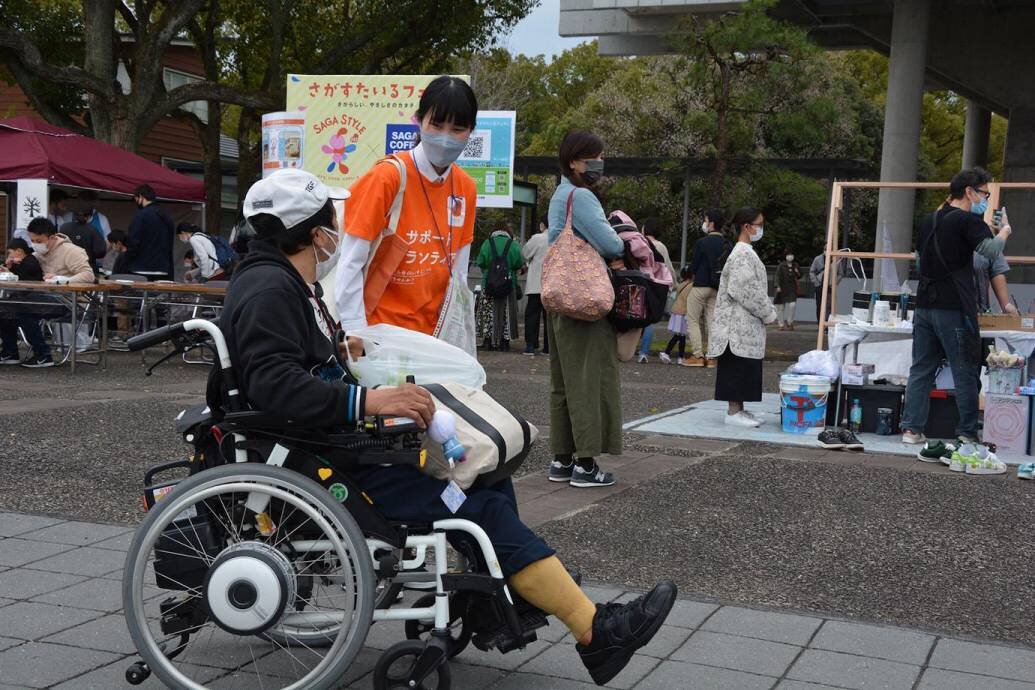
117,236
41,226
294,239
744,216
146,191
19,243
652,227
578,145
58,195
971,177
449,99
716,216
686,272
187,227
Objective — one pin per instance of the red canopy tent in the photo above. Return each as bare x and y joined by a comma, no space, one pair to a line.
36,150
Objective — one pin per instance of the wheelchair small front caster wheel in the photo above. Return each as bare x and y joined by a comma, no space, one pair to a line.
137,673
393,669
459,634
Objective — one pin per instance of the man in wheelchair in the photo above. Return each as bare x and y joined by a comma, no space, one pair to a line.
285,349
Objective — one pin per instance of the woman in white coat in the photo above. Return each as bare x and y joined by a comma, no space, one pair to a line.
742,310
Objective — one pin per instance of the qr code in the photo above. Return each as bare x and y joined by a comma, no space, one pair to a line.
478,146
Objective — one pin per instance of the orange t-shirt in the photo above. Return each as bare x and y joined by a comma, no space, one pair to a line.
436,221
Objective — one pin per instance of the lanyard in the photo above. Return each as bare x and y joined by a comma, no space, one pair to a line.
328,320
434,218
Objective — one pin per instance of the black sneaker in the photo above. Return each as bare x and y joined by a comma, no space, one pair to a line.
594,476
10,359
849,440
620,629
35,361
831,438
560,471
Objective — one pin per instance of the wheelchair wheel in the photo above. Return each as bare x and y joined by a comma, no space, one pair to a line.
249,557
393,669
459,634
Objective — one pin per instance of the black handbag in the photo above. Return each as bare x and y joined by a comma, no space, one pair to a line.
639,301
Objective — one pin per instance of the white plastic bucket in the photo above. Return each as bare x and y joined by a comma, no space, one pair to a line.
803,402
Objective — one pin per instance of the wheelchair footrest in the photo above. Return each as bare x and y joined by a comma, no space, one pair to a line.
505,641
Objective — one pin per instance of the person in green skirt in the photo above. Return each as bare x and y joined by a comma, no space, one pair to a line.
585,399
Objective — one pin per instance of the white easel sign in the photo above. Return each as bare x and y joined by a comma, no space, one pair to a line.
31,202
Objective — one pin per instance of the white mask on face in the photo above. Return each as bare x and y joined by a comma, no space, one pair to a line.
789,257
704,226
324,268
40,248
757,233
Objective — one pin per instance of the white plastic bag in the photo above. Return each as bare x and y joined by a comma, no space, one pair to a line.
818,362
456,318
392,353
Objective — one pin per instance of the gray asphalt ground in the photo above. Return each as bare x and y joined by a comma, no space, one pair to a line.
871,541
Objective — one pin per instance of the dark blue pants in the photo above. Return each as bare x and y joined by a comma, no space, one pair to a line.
948,334
30,325
404,493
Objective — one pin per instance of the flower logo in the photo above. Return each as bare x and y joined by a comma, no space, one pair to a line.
339,150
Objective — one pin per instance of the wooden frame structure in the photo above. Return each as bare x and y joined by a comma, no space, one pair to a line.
828,302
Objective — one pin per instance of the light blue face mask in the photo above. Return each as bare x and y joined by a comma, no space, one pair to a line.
442,149
980,207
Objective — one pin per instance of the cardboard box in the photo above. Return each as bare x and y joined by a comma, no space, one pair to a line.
856,374
1006,422
1006,322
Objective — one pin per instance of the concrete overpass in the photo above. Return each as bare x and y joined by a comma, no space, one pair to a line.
980,49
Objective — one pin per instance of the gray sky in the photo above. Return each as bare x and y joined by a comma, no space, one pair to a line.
537,34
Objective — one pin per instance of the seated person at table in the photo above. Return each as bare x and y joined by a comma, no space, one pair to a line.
21,262
115,259
57,255
284,346
203,253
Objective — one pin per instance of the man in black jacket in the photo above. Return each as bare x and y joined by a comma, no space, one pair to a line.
285,347
150,244
85,235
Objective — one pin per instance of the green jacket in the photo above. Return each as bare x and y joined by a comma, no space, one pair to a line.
514,258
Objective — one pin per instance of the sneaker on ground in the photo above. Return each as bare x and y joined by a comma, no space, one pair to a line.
963,438
663,356
642,359
35,361
985,462
912,437
529,350
830,438
936,451
594,476
962,457
561,471
711,363
10,359
741,419
1026,471
693,362
850,440
621,629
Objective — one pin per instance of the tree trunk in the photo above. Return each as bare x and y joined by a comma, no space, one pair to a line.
98,36
213,169
722,136
248,164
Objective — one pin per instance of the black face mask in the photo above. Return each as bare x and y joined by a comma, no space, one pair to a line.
593,172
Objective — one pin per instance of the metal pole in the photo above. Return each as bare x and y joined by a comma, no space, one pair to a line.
524,223
686,216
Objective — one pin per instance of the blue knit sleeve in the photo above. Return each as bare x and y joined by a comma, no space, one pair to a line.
588,219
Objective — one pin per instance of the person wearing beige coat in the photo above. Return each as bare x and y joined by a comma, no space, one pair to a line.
58,256
742,310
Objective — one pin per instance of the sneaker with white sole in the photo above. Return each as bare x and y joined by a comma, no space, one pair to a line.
985,462
664,357
1026,471
35,361
560,471
912,438
10,359
830,439
642,359
936,451
592,477
962,458
850,441
742,419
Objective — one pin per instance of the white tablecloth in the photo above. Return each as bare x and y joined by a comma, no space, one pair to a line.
890,350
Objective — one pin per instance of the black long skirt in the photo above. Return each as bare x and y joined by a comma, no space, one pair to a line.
738,379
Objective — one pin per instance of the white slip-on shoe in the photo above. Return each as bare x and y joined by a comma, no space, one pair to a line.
741,419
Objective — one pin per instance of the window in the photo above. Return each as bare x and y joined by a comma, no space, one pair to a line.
173,79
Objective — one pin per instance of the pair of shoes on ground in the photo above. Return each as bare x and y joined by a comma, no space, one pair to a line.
33,361
529,350
1026,471
914,438
567,470
621,629
742,419
839,439
974,458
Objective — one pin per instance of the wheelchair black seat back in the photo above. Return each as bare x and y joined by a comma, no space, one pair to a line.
271,555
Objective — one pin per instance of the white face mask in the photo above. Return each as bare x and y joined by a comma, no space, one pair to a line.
704,226
40,248
324,268
789,257
756,235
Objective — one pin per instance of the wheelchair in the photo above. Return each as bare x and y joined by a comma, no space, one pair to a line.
268,563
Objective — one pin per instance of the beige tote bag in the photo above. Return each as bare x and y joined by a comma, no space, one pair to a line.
575,279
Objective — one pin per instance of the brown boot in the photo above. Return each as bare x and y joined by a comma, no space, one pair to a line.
693,362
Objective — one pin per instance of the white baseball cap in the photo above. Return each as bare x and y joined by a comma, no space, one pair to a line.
291,195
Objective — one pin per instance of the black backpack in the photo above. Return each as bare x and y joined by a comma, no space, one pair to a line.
498,282
720,263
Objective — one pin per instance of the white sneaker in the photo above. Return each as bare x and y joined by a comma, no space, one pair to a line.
642,359
987,462
913,438
663,356
741,419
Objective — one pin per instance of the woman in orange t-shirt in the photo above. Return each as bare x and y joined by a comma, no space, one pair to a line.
407,279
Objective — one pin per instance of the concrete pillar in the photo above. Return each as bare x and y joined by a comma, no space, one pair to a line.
1019,166
902,122
975,135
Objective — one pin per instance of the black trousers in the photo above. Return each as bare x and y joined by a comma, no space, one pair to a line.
533,316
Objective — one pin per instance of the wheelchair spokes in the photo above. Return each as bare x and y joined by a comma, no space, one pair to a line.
246,602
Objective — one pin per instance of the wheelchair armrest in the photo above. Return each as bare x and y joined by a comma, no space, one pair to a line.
256,419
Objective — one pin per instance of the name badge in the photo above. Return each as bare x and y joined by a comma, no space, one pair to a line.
457,209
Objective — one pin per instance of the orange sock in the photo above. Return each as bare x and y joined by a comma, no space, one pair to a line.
548,586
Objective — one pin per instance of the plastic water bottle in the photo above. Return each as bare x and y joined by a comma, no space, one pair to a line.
855,416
